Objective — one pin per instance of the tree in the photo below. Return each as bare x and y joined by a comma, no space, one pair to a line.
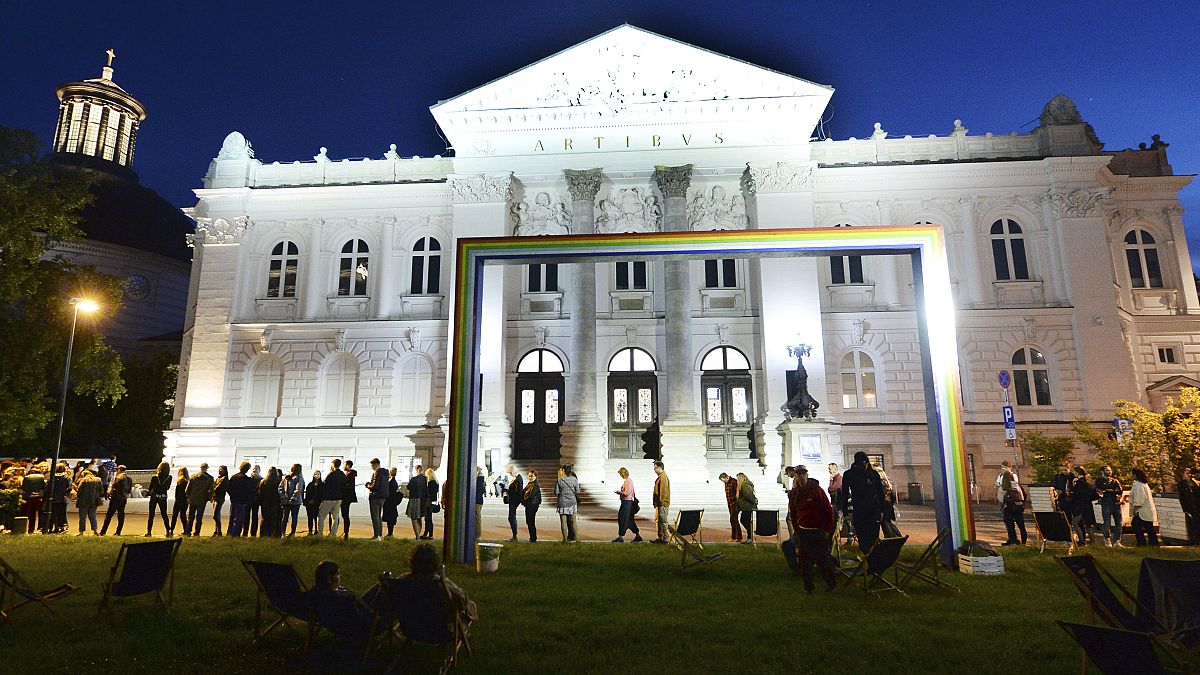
38,210
1163,443
1046,453
1105,451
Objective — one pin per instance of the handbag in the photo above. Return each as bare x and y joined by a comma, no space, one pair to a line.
435,508
636,506
505,497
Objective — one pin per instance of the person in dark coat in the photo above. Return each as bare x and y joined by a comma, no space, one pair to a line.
33,490
313,494
480,487
415,509
862,491
160,484
220,488
60,490
1079,503
241,500
391,506
1062,486
432,492
512,497
377,484
256,504
119,489
199,493
1188,489
269,503
349,496
531,499
179,511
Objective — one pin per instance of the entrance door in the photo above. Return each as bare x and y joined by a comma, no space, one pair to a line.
539,413
728,415
632,401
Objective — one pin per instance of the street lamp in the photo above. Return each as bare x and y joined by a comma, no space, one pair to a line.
78,304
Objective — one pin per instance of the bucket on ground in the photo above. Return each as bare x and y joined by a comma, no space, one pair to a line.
487,557
21,525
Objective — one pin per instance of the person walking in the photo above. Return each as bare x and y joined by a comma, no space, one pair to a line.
1141,507
1110,493
862,490
179,510
331,499
160,484
33,491
391,506
514,489
1079,506
735,526
661,498
241,500
480,487
220,488
349,496
811,514
430,504
312,502
747,503
88,493
199,493
531,499
415,509
629,507
377,490
256,503
270,504
887,518
291,496
566,495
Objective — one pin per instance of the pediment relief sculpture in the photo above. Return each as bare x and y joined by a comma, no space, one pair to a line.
717,210
541,216
629,210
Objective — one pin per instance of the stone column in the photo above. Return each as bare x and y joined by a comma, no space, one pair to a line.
887,283
315,273
973,267
583,438
682,429
385,279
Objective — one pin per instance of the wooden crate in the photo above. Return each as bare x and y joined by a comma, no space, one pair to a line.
981,565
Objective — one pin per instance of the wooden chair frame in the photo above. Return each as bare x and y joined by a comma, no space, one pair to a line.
863,570
460,633
927,567
164,602
1150,643
12,581
1071,547
691,546
778,527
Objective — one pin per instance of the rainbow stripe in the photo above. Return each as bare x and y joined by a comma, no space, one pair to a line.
935,318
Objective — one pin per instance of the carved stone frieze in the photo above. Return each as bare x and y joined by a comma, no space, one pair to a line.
629,210
219,230
717,210
480,188
779,177
544,215
1079,203
583,184
673,181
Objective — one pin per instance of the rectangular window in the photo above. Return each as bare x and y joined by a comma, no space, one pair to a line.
346,276
845,269
712,404
1021,380
1000,258
645,406
542,278
741,409
1041,384
849,391
868,385
856,273
533,278
710,274
837,269
1136,278
720,273
631,276
620,406
1153,272
273,279
417,282
551,406
528,406
433,283
1166,355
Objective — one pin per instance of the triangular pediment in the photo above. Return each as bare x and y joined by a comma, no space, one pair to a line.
1173,384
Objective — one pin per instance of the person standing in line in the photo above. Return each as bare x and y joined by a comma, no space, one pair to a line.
256,504
291,496
179,509
532,499
432,492
108,471
1141,507
862,490
88,493
220,488
480,487
33,490
331,499
391,506
735,526
566,494
835,487
415,509
662,502
1013,513
1109,490
60,491
199,492
349,496
241,500
312,502
160,484
625,514
811,514
1062,488
887,519
1083,514
747,503
377,491
514,489
270,503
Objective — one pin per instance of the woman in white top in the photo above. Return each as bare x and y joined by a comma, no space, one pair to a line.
1141,507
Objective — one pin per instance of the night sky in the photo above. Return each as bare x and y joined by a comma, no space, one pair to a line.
293,76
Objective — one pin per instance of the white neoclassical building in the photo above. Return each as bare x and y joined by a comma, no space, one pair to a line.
320,294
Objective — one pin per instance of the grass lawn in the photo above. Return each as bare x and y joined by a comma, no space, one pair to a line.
566,608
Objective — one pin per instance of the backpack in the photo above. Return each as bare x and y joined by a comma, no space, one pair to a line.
1015,500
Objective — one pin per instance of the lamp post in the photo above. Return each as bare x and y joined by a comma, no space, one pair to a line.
87,306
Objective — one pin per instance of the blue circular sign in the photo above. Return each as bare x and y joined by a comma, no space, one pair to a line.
1005,380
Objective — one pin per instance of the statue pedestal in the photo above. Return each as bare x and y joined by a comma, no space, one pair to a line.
813,443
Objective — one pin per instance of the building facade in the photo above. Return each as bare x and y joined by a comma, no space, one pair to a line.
319,304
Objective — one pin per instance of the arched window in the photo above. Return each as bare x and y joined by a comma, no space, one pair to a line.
426,267
414,385
264,384
1008,250
725,358
1031,377
340,386
352,273
281,277
1142,256
540,361
631,359
845,269
720,273
858,381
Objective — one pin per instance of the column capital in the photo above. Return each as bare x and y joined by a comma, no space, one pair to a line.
673,181
583,184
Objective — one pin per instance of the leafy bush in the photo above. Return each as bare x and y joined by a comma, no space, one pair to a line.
1046,454
10,506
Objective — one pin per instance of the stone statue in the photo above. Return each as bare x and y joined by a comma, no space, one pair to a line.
543,216
801,405
629,210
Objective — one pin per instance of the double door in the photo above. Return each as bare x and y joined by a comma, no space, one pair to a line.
632,408
539,416
728,414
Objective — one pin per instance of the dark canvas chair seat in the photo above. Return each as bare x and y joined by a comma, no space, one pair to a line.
686,535
882,556
766,524
927,567
147,568
1053,526
1119,652
352,622
16,592
1170,591
422,611
284,592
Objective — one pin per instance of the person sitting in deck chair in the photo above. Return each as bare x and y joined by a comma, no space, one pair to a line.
426,563
337,608
812,516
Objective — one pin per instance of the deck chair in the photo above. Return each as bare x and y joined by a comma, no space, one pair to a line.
148,567
841,557
1093,582
14,587
1053,526
927,566
686,535
422,611
766,524
284,592
355,625
1118,652
873,565
1169,589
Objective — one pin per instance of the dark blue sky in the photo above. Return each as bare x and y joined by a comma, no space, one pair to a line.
293,76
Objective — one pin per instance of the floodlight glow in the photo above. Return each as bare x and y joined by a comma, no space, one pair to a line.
85,305
935,322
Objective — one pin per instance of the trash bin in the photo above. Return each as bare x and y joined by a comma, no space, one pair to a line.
914,494
21,525
487,557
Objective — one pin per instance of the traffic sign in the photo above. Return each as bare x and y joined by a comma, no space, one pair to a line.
1010,422
1010,434
1004,378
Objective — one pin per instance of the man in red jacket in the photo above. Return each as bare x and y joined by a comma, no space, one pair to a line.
812,516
